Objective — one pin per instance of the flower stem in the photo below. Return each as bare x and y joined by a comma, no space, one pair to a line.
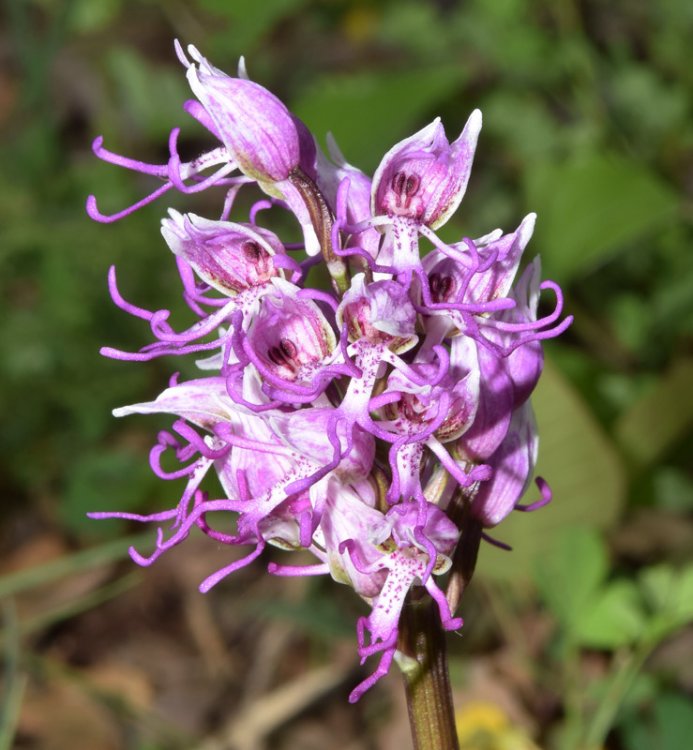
322,219
425,667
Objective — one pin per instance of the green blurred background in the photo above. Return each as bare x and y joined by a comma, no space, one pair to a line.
587,120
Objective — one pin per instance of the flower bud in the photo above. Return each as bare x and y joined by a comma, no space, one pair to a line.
259,132
424,177
330,175
230,257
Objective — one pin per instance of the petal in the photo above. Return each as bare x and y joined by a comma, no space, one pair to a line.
513,464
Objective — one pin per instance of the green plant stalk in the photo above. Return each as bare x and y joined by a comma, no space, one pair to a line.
424,663
14,680
620,683
41,575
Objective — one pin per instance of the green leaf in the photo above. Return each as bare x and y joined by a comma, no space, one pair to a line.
674,717
669,593
570,573
593,206
583,469
369,112
671,722
14,681
660,417
612,619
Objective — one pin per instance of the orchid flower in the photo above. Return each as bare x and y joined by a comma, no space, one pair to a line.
365,423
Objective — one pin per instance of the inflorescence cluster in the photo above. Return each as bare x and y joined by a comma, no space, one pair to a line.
359,422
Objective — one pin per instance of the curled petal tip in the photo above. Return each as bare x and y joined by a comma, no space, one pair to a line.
138,558
180,53
195,53
93,211
97,144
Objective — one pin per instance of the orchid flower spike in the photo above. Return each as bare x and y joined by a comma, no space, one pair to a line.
365,424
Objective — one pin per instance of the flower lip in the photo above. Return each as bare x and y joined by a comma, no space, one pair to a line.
380,312
419,404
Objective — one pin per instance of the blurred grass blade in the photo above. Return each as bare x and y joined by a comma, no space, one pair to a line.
14,682
80,604
65,566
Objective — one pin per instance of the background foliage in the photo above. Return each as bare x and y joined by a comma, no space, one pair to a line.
587,120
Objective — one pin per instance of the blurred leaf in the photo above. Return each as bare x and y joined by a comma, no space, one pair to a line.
583,469
647,103
591,207
320,617
102,481
660,417
613,618
151,96
249,20
674,717
92,599
644,688
89,17
669,593
522,123
673,489
14,682
631,320
416,27
570,572
54,570
369,112
672,721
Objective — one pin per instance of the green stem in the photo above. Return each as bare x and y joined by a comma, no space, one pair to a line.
425,668
620,683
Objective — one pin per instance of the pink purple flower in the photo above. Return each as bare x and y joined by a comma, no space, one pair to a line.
354,423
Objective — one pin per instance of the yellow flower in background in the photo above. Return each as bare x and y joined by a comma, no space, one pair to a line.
484,726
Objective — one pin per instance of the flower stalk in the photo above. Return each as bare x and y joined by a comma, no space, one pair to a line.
424,664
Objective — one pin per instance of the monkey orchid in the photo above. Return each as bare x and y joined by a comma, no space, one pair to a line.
380,424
